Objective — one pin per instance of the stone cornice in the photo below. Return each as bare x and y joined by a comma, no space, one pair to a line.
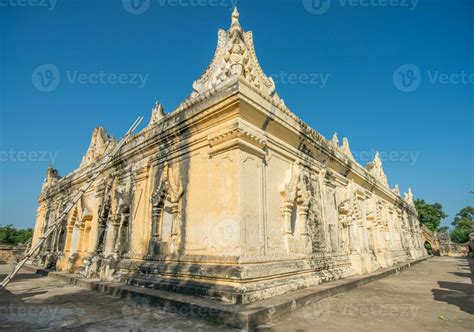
202,106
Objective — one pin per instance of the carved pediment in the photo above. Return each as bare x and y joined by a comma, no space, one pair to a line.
396,190
100,143
346,150
235,57
289,186
169,185
157,113
295,186
52,177
335,140
408,197
376,170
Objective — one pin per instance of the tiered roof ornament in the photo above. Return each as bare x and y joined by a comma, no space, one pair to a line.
408,197
52,177
335,140
100,142
235,57
157,113
396,190
346,149
376,170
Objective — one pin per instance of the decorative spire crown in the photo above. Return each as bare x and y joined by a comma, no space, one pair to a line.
235,15
396,190
335,139
375,168
235,57
157,113
408,197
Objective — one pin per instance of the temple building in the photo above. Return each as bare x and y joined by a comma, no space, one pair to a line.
230,196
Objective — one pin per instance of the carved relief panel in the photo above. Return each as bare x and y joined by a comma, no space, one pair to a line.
166,210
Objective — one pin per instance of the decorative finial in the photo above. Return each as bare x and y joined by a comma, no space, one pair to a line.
346,149
157,113
409,197
235,15
396,190
335,139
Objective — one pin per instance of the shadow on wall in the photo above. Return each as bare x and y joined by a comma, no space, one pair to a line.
458,293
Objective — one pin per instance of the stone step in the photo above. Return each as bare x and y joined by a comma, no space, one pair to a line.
244,316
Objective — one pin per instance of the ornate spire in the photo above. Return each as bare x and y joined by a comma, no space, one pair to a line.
346,149
408,197
235,56
100,142
235,16
375,168
396,190
335,140
52,176
157,113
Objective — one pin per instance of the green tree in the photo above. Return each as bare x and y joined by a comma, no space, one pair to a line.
430,215
463,223
23,235
9,235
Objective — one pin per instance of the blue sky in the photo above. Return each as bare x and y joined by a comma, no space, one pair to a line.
397,78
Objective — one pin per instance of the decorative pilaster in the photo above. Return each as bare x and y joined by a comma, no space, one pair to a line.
111,238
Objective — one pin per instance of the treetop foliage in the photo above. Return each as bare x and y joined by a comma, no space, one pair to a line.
463,225
430,215
9,235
